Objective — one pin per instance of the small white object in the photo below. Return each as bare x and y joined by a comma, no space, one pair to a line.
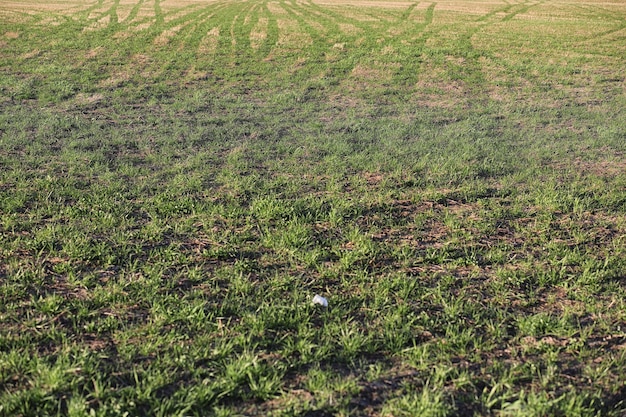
318,299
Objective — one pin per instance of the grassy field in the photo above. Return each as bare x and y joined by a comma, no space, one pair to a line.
179,178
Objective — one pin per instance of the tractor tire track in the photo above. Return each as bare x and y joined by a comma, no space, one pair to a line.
271,40
133,12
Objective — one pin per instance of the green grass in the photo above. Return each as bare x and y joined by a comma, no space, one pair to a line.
177,181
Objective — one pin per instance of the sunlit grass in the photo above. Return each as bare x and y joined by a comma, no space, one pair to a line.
179,179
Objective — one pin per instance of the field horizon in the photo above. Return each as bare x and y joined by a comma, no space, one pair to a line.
180,178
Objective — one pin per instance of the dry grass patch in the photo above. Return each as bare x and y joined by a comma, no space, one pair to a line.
13,16
209,42
36,7
259,33
366,3
116,80
251,12
276,9
343,102
472,8
380,71
141,26
84,99
388,50
166,36
178,4
124,9
146,11
99,24
194,75
610,166
360,15
432,90
320,28
138,63
291,35
32,54
93,53
350,29
177,15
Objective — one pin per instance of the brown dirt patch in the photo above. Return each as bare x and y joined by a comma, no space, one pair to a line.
603,168
92,53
